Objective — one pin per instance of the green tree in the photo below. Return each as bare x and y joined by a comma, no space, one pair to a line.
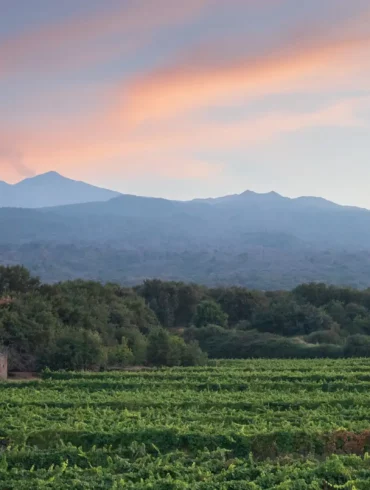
193,355
138,344
76,350
28,329
289,318
209,312
16,279
158,347
121,355
238,303
170,350
337,312
162,298
357,346
176,351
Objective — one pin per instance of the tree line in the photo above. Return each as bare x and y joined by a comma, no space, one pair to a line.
88,325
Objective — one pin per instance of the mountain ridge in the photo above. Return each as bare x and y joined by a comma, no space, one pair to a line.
103,195
274,196
266,241
50,189
311,220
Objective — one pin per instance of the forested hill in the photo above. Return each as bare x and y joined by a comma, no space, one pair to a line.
87,325
262,241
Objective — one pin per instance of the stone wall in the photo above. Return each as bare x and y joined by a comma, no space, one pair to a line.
3,366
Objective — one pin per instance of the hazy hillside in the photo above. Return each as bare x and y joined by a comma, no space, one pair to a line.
50,189
150,222
259,240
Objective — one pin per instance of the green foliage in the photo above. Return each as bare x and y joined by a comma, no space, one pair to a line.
235,425
16,279
209,312
357,346
28,328
176,351
174,303
193,355
157,319
290,318
76,324
121,355
76,349
165,349
158,347
325,337
138,344
238,303
185,354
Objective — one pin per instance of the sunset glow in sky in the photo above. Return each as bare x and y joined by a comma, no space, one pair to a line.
192,98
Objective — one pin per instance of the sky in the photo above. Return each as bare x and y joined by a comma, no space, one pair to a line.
199,98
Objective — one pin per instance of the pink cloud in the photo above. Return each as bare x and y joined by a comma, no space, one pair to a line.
189,86
167,151
151,123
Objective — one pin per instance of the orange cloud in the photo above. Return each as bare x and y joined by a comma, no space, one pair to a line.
167,151
152,125
244,134
188,87
318,65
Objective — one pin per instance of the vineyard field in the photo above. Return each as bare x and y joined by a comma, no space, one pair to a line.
253,424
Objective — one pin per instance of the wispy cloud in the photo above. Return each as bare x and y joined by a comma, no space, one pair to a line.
169,151
85,40
190,86
153,123
11,161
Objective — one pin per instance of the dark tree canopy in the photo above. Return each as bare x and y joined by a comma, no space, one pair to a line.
88,325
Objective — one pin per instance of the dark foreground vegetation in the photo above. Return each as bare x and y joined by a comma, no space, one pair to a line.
87,325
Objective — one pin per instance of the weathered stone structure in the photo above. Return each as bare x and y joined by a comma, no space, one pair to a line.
3,365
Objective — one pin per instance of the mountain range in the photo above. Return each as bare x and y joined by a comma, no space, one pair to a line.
50,189
262,241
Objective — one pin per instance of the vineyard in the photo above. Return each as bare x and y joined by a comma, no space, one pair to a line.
260,424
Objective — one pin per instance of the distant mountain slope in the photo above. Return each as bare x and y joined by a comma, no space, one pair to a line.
261,240
272,199
223,221
228,222
50,189
257,267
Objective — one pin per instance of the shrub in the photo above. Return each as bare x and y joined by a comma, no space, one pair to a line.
76,350
324,337
209,312
121,355
357,346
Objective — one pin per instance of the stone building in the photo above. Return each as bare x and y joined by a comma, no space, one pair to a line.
3,365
